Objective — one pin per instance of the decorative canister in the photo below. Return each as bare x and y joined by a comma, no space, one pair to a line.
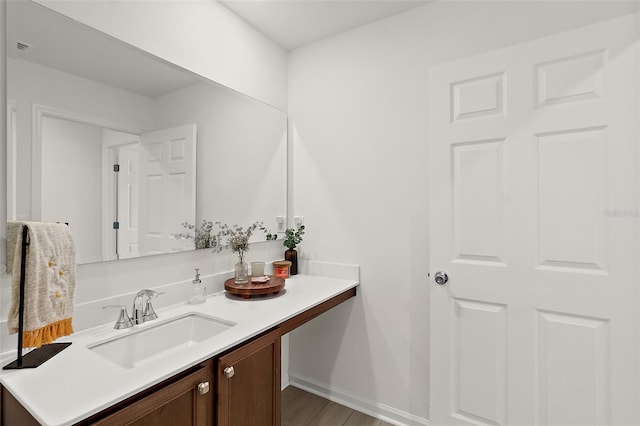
281,268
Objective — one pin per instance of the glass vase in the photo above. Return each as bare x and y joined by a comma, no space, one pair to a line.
292,256
242,275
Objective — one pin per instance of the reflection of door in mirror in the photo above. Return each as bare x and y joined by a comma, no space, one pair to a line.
80,159
127,197
137,190
120,195
168,188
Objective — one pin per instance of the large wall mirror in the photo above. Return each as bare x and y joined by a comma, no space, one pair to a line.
125,147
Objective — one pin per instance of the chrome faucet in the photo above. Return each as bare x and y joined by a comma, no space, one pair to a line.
143,312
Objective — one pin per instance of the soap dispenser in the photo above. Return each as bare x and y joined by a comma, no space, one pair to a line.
197,290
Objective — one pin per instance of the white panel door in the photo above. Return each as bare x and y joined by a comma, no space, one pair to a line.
534,217
128,201
167,188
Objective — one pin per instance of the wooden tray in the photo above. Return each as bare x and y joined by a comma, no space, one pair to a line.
273,286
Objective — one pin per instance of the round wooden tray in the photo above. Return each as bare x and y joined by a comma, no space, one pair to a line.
273,286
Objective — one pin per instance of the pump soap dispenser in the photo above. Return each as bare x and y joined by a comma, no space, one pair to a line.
197,290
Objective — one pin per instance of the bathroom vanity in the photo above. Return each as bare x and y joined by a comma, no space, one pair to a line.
232,377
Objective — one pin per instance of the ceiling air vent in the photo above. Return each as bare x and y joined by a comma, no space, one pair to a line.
21,45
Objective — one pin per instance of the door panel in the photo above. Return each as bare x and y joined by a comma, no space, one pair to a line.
533,186
479,351
570,236
477,201
249,383
572,359
128,201
167,188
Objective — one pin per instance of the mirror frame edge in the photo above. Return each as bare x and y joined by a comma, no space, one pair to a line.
3,132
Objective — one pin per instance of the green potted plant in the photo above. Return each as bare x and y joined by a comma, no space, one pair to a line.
292,237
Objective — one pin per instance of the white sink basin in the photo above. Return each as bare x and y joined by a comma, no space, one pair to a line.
139,347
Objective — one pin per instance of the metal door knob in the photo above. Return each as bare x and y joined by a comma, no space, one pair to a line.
229,372
203,388
441,278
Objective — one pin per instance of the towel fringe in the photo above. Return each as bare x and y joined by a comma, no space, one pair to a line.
46,334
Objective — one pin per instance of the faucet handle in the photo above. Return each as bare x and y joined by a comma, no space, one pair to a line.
124,320
149,312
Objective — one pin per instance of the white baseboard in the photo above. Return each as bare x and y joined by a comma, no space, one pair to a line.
342,397
284,382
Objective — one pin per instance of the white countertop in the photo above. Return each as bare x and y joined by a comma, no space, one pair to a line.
78,383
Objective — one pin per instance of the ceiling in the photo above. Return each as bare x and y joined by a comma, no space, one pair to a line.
294,23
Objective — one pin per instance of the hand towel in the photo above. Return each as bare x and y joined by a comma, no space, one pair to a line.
50,282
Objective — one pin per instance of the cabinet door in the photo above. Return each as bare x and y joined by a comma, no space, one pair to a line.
249,383
187,401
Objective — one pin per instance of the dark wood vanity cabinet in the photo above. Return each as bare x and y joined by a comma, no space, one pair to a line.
248,380
186,399
240,387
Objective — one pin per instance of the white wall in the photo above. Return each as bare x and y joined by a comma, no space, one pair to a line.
358,103
200,35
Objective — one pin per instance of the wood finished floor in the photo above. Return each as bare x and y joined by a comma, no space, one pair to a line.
301,408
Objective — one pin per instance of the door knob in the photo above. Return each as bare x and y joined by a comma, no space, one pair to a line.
441,278
229,372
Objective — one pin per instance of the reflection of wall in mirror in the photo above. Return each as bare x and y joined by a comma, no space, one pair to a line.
241,164
79,161
73,167
87,157
30,83
241,161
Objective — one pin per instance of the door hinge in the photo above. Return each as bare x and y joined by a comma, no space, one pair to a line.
116,168
116,225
